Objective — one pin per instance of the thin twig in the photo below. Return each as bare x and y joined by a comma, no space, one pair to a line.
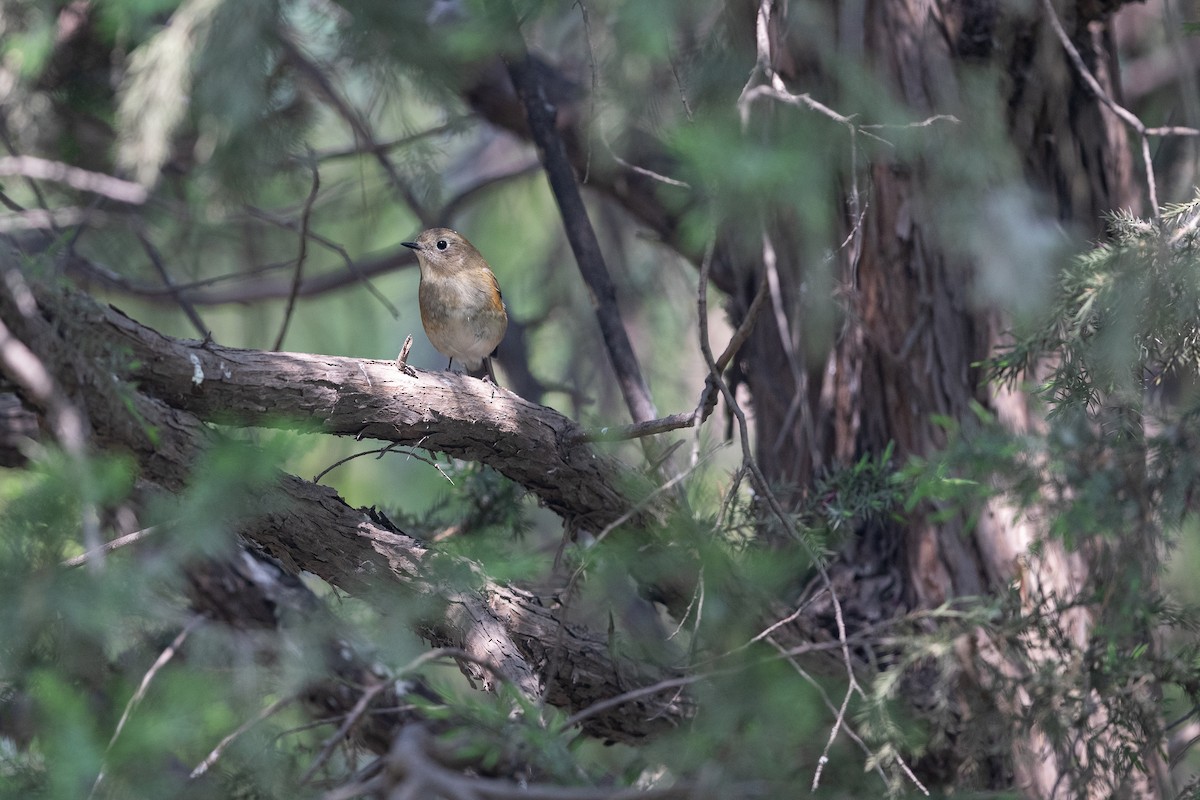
328,283
393,447
10,204
360,270
108,547
838,721
697,602
648,173
689,680
578,572
161,268
849,730
358,149
33,185
692,418
763,487
212,757
114,280
636,430
458,654
925,123
1173,130
352,718
746,326
633,694
163,659
639,507
687,109
320,81
454,206
305,215
795,359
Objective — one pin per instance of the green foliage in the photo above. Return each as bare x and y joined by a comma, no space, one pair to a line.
1124,333
1111,474
205,98
758,723
482,516
866,490
76,642
1124,319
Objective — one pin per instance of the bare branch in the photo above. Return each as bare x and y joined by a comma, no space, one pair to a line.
163,659
33,185
216,752
362,148
108,547
764,489
181,299
305,215
254,291
353,270
636,430
81,179
541,116
316,77
352,718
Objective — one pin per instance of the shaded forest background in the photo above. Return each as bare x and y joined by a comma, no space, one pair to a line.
844,442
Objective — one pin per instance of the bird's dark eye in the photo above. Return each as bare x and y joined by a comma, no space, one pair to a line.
441,244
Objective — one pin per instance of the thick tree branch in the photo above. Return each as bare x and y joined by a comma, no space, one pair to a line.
366,703
308,527
444,412
438,411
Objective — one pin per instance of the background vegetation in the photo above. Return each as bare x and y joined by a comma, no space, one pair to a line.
913,287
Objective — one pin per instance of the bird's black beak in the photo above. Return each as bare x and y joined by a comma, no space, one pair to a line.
412,245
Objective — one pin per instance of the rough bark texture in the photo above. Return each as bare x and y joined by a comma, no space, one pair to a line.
438,411
921,332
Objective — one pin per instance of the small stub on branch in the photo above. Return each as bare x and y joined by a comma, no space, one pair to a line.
402,359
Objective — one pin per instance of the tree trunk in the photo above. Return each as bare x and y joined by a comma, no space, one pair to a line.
913,329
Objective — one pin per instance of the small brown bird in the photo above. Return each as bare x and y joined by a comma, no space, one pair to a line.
461,307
